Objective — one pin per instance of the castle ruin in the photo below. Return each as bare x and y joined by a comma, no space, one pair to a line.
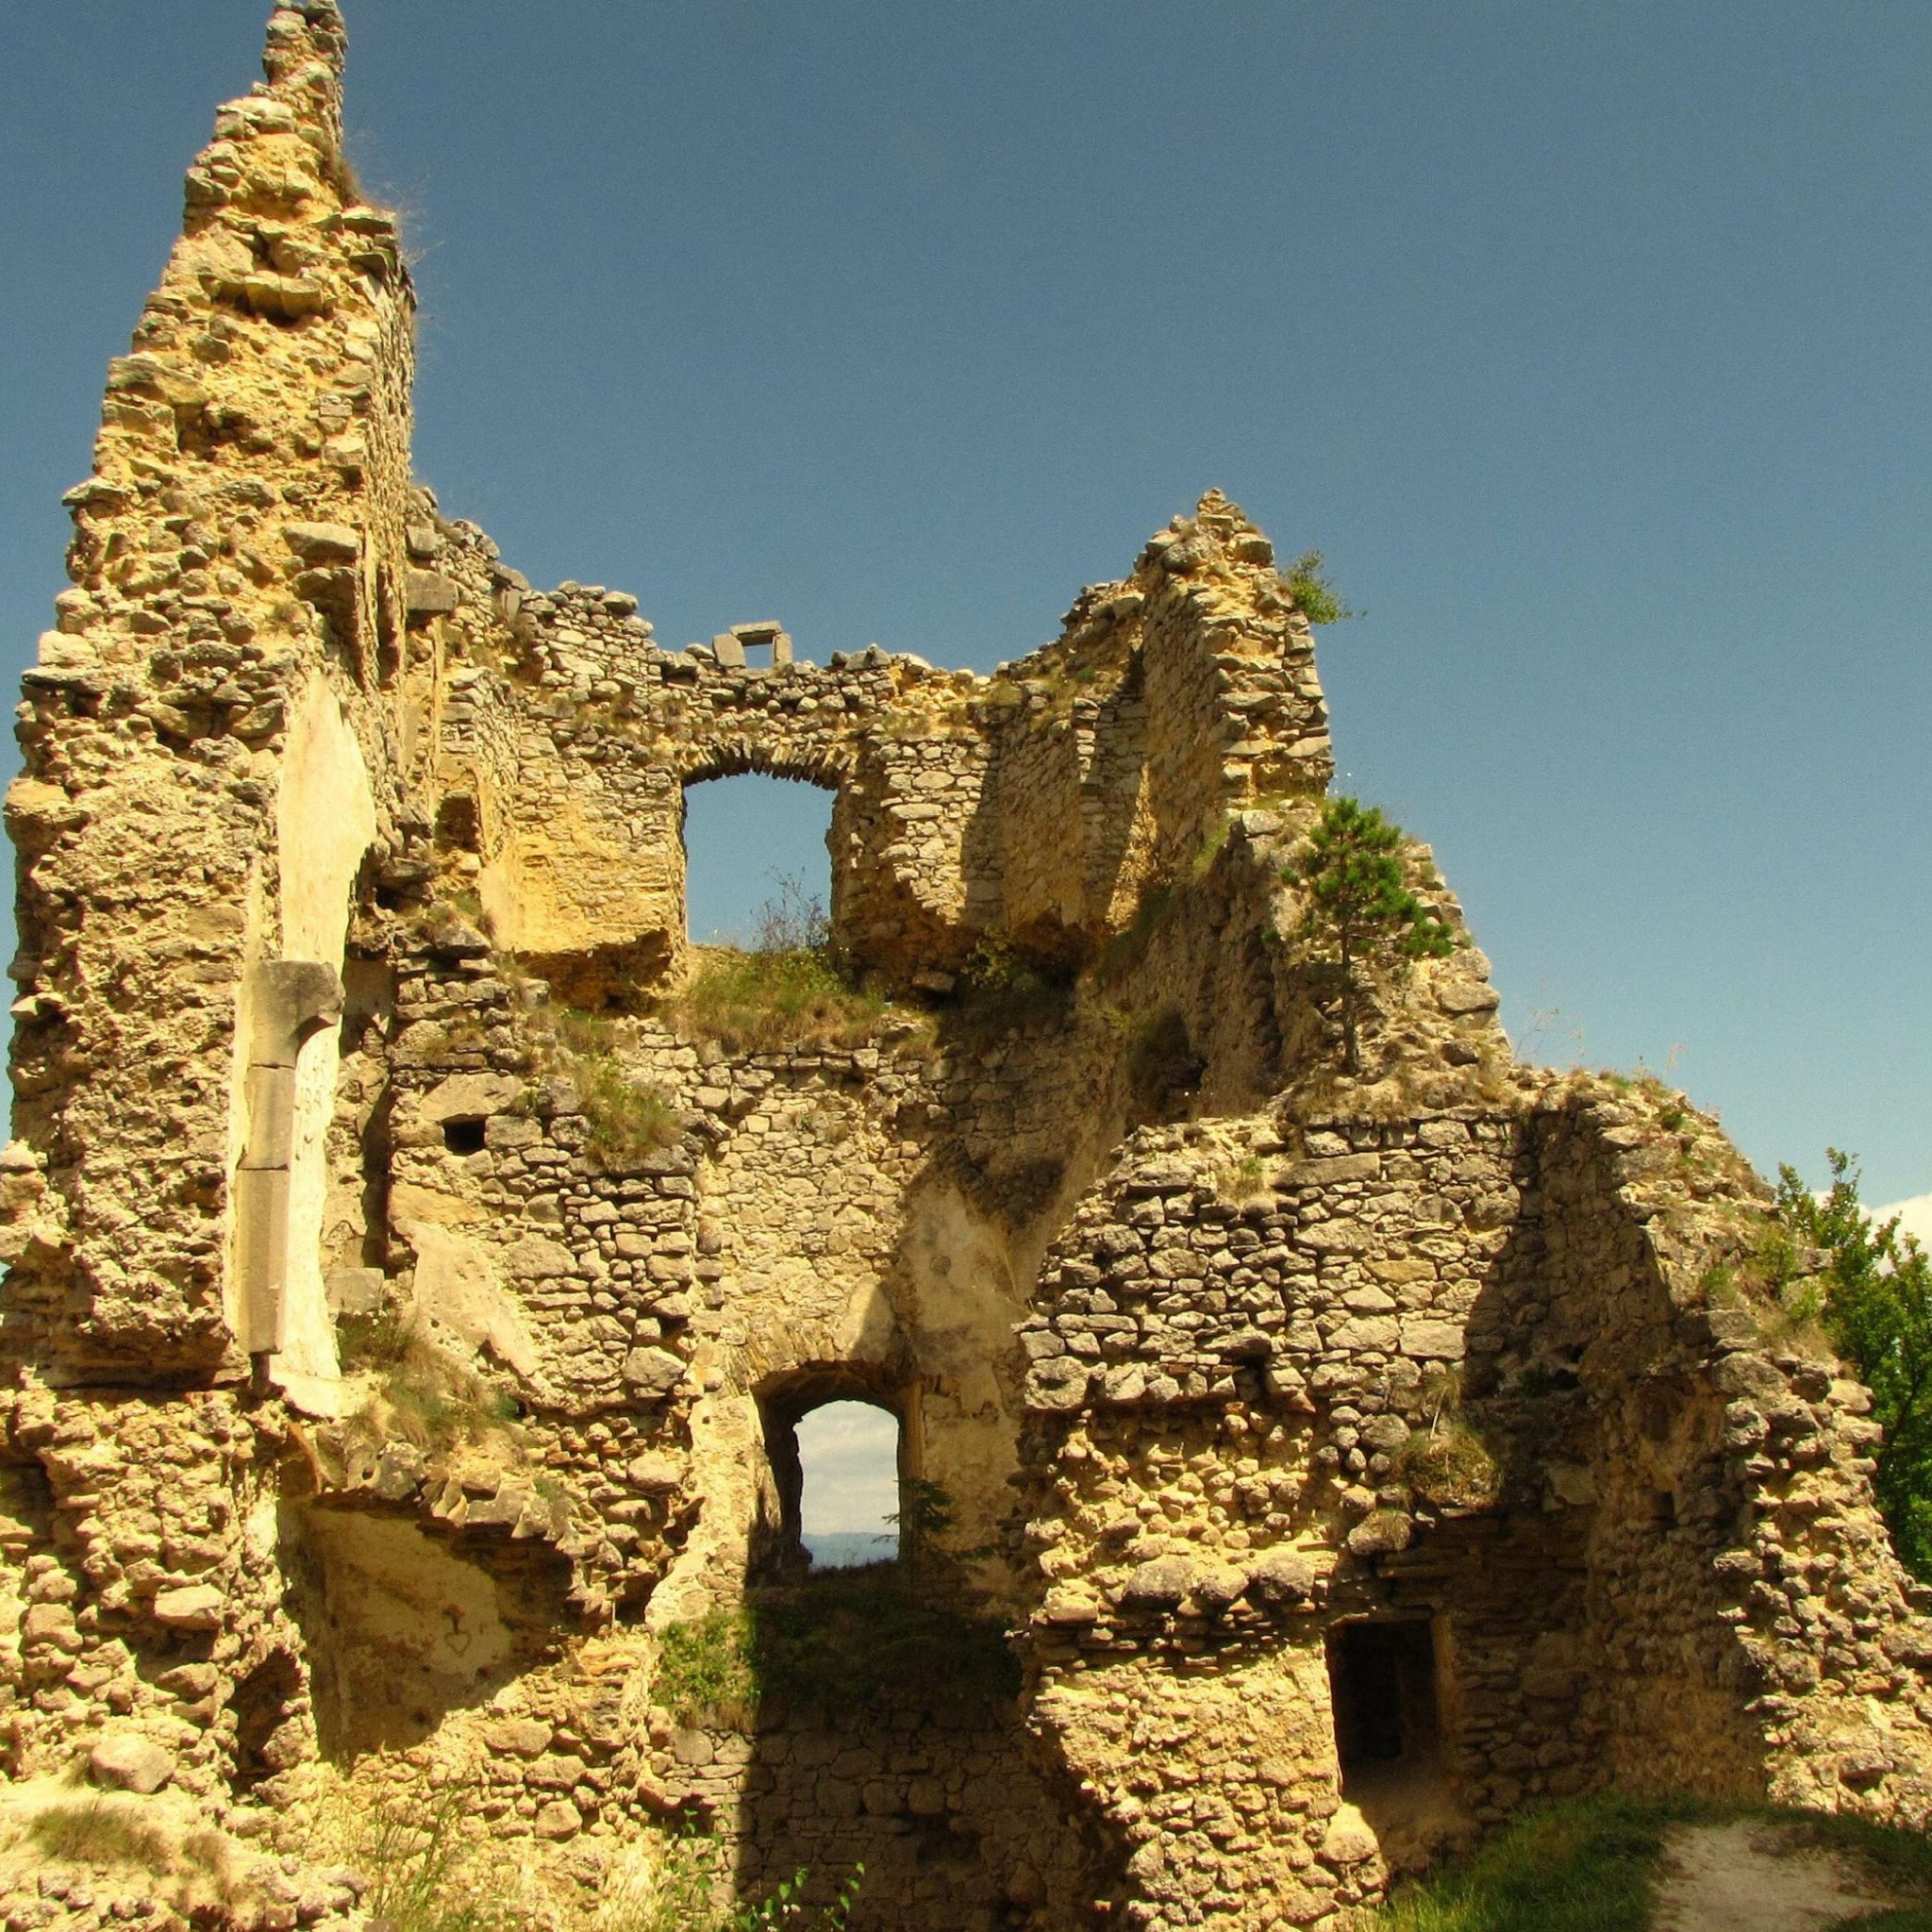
1338,1464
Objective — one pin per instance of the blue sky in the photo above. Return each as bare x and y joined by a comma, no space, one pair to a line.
849,1453
1588,341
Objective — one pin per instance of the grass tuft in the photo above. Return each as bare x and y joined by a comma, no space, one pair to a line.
1583,1867
1449,1465
98,1833
628,1119
682,1884
704,1675
421,1879
787,990
420,1394
772,1002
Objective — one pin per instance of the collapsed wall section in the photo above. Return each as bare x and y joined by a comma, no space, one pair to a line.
1461,1372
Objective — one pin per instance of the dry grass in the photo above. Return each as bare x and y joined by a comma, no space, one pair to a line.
196,1877
97,1833
629,1120
421,1396
774,1002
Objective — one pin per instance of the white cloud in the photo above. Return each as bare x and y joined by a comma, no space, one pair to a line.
1914,1217
850,1451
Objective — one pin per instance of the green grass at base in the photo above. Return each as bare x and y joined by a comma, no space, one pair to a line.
1591,1865
1583,1867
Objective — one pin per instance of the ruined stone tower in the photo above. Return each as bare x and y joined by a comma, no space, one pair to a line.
1349,1461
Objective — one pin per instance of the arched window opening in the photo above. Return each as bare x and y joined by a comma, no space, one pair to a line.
837,1460
756,861
848,1457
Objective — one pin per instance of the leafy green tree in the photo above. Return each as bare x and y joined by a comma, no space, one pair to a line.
1875,1304
1358,904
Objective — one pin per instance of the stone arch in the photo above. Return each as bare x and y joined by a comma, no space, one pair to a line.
744,757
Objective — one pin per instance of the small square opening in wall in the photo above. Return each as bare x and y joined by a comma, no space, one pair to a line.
463,1137
1383,1680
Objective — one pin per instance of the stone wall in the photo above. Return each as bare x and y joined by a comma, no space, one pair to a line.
408,1305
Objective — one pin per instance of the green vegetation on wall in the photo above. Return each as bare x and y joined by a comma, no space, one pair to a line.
1871,1293
845,1640
1314,596
1359,907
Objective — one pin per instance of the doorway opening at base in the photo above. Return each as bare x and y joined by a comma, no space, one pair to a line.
1382,1676
1384,1679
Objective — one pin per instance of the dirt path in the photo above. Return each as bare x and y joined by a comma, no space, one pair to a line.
1751,1877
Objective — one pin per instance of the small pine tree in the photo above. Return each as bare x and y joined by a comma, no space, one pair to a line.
1358,904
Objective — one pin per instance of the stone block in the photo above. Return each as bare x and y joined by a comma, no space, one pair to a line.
1380,1333
1283,1576
430,595
557,1820
1459,997
1158,1585
1382,1533
1429,1340
536,1257
125,1762
354,1291
1336,1238
196,1606
651,1373
1061,1383
654,1472
323,543
1348,1839
1329,1170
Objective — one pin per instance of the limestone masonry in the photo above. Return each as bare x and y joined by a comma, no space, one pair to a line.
1351,1462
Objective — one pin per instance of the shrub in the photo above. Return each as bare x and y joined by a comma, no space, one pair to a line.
1314,597
1003,988
705,1671
1357,906
628,1120
1873,1298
